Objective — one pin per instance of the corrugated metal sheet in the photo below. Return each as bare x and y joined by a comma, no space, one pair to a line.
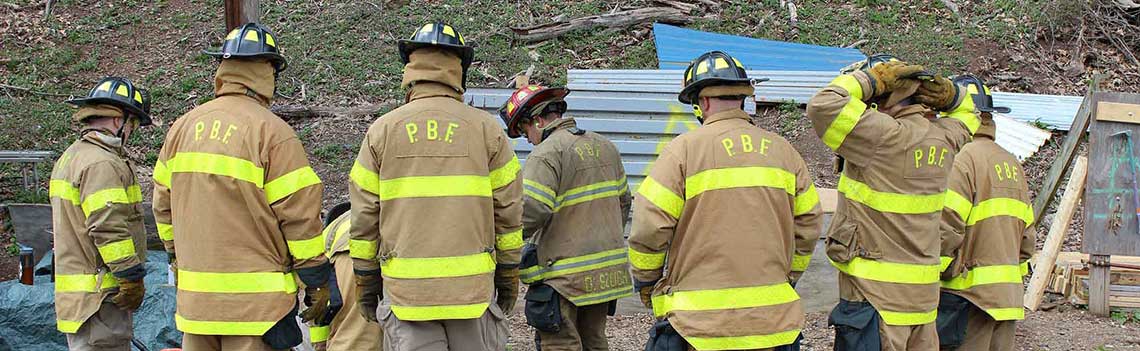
1019,138
1056,111
676,46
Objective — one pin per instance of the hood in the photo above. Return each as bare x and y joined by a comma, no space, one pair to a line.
101,110
435,65
988,128
255,78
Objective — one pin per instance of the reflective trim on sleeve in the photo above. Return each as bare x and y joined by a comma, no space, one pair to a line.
739,177
104,198
577,264
724,299
335,245
438,267
590,192
221,327
882,201
806,202
908,318
306,248
646,261
746,342
364,179
236,283
849,116
319,333
434,186
506,174
217,164
890,272
363,249
165,231
291,182
161,174
1024,268
985,275
539,192
62,189
1006,314
959,204
65,283
69,327
661,197
509,241
944,262
117,250
1001,206
433,313
850,84
800,262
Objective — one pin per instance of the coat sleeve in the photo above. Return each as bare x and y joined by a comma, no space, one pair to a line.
364,194
656,213
108,202
506,194
294,193
625,198
841,118
959,203
540,179
160,202
808,217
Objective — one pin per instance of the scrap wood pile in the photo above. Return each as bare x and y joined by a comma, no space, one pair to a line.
1070,278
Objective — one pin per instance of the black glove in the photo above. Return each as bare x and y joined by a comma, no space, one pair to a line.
370,285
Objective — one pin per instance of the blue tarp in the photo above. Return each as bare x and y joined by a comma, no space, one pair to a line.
676,46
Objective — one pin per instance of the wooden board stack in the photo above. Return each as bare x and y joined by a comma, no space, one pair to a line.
1071,273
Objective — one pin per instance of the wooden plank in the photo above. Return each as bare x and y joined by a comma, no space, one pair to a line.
1098,285
1061,164
828,199
1117,112
1056,236
1110,226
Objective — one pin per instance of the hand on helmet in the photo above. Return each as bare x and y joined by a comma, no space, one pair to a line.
886,77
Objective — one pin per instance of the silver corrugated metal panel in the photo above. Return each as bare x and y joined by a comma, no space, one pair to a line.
1057,111
1019,138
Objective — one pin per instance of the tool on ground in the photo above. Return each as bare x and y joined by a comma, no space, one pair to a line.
27,265
1127,135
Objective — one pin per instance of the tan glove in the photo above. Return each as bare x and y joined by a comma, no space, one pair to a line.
646,293
370,287
130,294
507,287
887,77
939,93
317,298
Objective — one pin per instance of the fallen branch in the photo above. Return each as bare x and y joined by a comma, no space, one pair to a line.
30,91
290,112
856,43
793,21
680,5
611,20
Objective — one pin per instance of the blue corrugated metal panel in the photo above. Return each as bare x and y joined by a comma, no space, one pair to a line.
676,46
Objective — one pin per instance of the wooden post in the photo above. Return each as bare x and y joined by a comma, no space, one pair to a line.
1068,151
1048,256
239,12
1098,284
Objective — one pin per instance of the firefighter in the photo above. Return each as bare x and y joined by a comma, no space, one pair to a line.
730,216
576,203
884,238
986,218
437,209
100,242
343,327
238,209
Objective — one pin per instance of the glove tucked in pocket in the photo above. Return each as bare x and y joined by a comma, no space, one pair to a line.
856,326
285,334
664,338
953,313
543,310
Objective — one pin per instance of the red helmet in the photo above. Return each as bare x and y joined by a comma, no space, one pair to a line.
523,101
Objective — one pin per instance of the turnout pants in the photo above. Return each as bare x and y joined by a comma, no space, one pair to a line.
985,333
583,328
349,330
909,337
486,333
196,342
109,329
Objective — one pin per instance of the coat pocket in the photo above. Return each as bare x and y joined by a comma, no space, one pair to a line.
842,242
542,308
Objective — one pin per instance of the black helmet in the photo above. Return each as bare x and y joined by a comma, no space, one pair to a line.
336,211
121,93
709,69
251,40
978,91
438,35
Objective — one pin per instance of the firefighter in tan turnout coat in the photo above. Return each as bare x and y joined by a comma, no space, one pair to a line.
730,216
985,233
884,238
345,328
100,243
437,209
576,206
238,208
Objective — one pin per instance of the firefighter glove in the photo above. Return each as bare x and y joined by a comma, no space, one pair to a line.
939,93
317,299
886,77
646,293
130,294
370,287
507,287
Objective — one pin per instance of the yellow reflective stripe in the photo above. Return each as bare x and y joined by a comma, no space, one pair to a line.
221,327
746,342
117,250
364,179
363,249
432,313
601,296
908,318
545,190
1006,314
965,113
646,261
1001,206
291,182
984,275
509,241
539,192
236,283
165,231
850,84
506,174
849,116
65,283
63,190
890,272
724,299
438,267
69,327
434,186
538,196
342,228
306,248
319,333
161,174
661,197
800,262
959,204
944,262
739,177
806,202
1023,268
216,164
590,192
577,264
890,202
105,197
